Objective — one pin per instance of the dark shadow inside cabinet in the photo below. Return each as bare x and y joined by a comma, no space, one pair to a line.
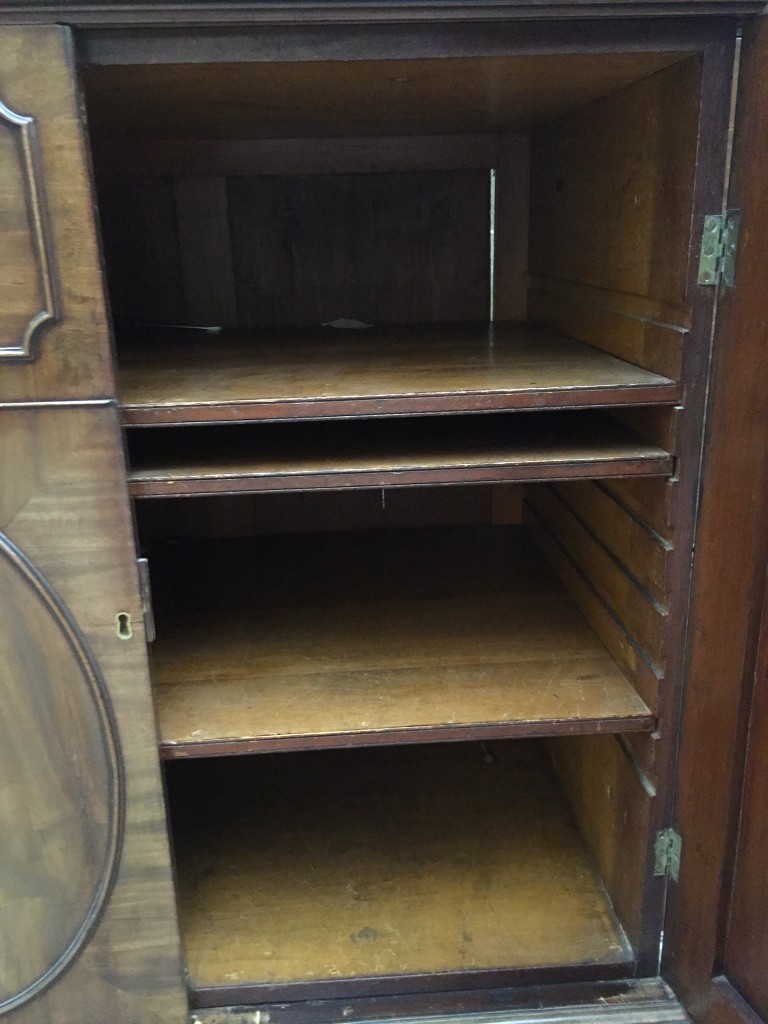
402,351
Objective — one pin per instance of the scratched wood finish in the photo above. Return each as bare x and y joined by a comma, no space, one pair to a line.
375,660
381,862
180,377
72,354
373,453
63,504
352,97
729,565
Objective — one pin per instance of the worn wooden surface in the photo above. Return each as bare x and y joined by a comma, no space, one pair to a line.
183,377
447,635
624,194
92,13
72,353
381,862
613,813
626,1001
373,453
353,97
618,1001
728,573
80,802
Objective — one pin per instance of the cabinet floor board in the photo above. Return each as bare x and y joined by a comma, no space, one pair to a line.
365,649
352,864
188,376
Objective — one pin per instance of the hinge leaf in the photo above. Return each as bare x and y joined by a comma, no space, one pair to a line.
667,849
719,242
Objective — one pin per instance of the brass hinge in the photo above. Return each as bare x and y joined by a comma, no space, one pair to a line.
667,850
146,599
719,241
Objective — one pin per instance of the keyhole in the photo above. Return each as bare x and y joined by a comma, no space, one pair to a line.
123,626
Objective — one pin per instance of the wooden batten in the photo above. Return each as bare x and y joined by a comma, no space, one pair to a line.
643,617
639,548
592,316
623,648
653,502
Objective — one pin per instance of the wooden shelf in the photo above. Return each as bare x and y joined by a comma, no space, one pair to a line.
188,377
372,453
374,638
299,871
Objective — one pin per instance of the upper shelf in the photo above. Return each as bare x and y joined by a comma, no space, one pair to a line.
177,377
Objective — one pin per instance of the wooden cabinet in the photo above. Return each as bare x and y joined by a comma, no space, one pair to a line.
381,334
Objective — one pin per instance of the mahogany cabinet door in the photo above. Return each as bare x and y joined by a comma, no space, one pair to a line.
54,342
88,930
716,948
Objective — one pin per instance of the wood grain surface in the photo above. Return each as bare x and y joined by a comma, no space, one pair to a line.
397,636
353,97
729,568
347,864
624,194
63,504
73,356
182,377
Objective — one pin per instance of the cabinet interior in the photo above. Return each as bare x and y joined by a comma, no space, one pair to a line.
414,582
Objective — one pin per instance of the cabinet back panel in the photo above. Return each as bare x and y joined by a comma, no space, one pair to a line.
381,248
266,251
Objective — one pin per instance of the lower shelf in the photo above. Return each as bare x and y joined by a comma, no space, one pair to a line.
374,638
448,859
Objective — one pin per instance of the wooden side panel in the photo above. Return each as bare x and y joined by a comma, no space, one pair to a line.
613,812
89,928
54,340
611,218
